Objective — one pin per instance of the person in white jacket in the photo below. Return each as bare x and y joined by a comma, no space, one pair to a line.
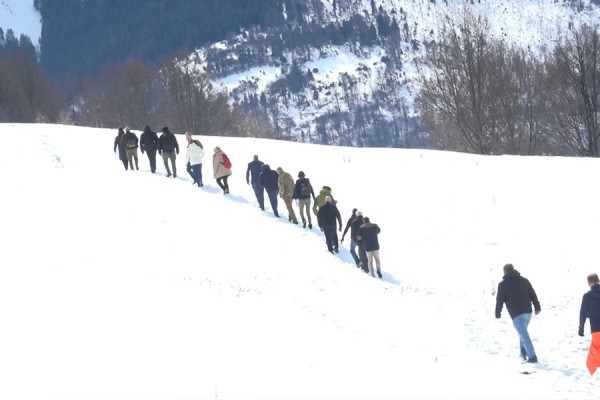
193,157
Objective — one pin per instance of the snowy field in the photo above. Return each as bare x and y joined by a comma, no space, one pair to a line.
122,284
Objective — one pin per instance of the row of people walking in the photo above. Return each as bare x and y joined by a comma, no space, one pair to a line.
127,143
364,234
276,183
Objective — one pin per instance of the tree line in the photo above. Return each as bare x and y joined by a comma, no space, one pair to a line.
482,96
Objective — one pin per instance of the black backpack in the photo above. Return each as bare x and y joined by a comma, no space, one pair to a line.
305,189
131,142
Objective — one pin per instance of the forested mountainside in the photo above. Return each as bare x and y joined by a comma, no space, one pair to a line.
483,76
80,37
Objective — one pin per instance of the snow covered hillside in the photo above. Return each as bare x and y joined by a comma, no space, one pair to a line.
127,285
343,71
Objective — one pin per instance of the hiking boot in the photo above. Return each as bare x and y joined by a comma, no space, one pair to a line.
295,222
309,226
331,251
303,223
379,273
195,182
174,175
532,360
289,219
336,250
168,174
276,214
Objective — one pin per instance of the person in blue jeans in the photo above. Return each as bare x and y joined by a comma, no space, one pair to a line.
518,295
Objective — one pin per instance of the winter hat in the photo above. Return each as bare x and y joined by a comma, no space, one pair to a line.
165,129
367,220
354,210
508,268
301,174
327,188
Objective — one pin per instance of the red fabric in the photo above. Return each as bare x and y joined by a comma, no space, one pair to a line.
593,358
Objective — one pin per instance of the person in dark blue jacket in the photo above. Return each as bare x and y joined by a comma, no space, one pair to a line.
518,294
268,179
252,174
367,236
149,145
590,308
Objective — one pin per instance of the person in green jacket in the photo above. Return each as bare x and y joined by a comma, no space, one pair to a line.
320,200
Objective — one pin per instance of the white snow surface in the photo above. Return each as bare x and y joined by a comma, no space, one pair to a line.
122,284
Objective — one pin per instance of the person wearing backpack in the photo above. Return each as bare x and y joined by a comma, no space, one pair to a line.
130,142
221,169
286,192
193,158
252,174
168,148
268,179
303,191
121,147
149,145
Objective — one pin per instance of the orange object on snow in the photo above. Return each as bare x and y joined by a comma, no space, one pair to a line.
593,358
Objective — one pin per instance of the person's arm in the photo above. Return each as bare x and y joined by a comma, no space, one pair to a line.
499,301
583,314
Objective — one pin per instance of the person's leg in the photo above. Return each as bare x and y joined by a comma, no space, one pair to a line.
377,263
200,175
190,171
220,183
196,173
364,260
328,231
165,156
173,157
259,192
152,160
290,207
226,184
130,158
273,200
520,323
370,263
135,157
353,251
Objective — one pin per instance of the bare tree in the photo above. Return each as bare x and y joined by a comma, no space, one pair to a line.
460,85
197,105
574,72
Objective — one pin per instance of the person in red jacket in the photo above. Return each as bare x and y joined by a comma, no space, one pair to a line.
590,308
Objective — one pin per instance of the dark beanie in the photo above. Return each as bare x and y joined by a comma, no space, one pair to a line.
165,130
300,174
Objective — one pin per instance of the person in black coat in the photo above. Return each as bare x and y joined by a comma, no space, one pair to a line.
122,152
149,145
518,295
328,217
590,308
355,223
268,180
252,175
168,148
368,236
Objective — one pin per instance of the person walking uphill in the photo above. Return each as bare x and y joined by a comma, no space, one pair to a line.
221,169
193,157
361,259
149,145
303,191
130,142
327,217
252,174
518,294
168,148
268,179
368,235
121,148
353,231
320,200
590,308
286,192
